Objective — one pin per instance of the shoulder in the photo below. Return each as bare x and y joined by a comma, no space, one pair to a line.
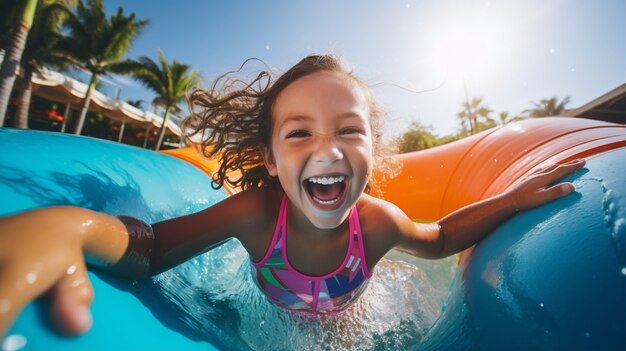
254,208
382,224
380,215
256,213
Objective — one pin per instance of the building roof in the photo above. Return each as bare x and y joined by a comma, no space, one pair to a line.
61,88
610,107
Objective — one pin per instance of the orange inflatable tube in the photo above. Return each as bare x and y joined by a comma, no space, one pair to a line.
434,182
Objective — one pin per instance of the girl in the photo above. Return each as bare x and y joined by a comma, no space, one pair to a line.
305,147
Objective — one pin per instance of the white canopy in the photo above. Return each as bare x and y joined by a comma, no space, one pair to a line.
63,89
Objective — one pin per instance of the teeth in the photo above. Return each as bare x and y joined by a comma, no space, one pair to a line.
326,180
329,202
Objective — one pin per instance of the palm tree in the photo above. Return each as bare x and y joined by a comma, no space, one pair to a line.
40,50
8,18
170,83
98,45
13,54
475,117
548,107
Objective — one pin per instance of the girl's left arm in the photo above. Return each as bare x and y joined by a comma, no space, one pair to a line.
468,225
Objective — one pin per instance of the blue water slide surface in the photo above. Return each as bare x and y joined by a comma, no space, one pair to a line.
40,169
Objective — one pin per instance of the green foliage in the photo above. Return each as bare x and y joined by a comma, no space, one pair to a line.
548,107
475,117
420,137
98,44
42,45
169,81
9,16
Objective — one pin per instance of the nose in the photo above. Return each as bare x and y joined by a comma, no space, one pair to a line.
327,151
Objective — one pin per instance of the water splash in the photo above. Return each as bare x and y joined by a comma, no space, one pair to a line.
217,297
614,208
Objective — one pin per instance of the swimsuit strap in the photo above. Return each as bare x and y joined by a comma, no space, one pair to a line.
355,229
280,223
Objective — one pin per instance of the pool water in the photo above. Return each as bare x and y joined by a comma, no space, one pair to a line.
216,297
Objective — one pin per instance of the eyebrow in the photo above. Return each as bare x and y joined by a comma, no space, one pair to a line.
297,118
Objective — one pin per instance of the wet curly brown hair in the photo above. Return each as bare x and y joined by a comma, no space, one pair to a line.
234,119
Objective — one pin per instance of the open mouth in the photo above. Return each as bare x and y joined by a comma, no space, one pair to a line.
326,192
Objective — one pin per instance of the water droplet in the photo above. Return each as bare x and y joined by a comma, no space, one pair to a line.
408,6
14,342
541,304
71,269
267,47
552,50
87,223
31,277
572,70
623,270
77,282
587,335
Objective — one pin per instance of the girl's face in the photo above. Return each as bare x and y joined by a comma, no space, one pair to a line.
321,146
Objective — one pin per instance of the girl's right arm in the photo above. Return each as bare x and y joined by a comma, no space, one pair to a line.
42,250
45,249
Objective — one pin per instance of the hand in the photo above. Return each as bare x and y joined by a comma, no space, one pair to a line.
40,252
537,189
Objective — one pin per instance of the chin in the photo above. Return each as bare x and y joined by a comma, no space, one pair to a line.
330,220
326,224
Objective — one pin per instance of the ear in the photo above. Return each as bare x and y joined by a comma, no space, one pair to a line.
268,160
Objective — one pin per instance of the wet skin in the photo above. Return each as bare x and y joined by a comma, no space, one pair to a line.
321,130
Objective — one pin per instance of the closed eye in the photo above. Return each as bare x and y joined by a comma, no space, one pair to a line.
298,134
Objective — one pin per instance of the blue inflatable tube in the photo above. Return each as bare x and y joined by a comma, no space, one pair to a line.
550,278
40,169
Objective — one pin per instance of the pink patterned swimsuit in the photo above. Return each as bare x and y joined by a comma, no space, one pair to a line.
296,291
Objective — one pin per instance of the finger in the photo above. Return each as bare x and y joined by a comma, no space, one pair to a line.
565,169
71,300
557,191
545,169
575,162
20,285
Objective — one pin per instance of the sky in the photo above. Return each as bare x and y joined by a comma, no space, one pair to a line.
419,56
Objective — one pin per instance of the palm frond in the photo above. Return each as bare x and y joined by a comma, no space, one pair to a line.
98,42
169,81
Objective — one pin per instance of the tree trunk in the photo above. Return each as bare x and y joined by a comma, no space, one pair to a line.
166,115
121,134
145,139
13,55
85,106
25,88
66,114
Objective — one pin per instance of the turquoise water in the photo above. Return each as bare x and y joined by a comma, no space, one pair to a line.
216,297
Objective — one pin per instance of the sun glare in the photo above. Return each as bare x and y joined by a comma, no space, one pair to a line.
467,50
